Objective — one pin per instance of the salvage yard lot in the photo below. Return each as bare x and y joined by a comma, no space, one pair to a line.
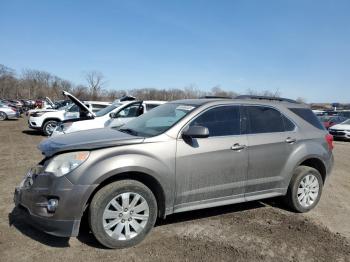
252,231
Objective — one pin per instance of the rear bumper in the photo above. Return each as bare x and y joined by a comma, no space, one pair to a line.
13,115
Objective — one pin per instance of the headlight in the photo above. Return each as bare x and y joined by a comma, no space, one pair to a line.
63,164
37,114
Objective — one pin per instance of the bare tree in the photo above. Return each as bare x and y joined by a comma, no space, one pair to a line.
95,83
275,93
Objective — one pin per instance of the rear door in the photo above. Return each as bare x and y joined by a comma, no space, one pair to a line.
267,149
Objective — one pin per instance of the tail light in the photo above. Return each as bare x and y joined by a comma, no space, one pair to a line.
329,139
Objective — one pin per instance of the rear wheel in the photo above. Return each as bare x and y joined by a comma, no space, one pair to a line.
305,189
3,116
49,127
122,213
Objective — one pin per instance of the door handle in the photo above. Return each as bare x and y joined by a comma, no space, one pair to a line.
290,140
238,147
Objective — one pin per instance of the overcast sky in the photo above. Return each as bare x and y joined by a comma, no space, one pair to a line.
301,48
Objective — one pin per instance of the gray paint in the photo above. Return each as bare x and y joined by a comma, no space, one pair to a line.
193,174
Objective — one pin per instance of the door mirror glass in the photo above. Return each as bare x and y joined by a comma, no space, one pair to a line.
196,132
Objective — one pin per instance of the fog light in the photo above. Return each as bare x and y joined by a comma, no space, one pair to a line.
52,205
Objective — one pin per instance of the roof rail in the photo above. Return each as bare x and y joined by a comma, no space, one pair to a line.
271,98
215,97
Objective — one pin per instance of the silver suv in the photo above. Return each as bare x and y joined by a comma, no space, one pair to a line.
183,155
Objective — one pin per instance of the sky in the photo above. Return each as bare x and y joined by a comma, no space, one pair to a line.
299,47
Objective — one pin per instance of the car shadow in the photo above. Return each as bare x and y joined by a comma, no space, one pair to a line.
86,236
18,219
32,133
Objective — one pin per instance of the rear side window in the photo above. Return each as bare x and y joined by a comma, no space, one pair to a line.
221,121
288,125
264,120
308,116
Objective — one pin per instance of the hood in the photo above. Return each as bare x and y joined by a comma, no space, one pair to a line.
87,140
80,104
341,127
48,100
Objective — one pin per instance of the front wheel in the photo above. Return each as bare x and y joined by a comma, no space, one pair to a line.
305,189
122,213
49,127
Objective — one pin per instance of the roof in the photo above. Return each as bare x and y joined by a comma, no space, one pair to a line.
241,100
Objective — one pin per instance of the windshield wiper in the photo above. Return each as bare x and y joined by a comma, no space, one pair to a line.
128,131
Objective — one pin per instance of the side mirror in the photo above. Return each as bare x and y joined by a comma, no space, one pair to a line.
196,132
112,115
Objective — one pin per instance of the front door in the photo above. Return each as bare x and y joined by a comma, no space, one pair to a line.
213,168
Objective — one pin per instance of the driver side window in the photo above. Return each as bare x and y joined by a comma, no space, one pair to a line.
133,110
221,121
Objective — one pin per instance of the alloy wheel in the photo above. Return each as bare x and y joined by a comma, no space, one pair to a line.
308,190
125,216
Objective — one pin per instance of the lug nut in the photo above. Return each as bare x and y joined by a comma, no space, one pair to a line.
129,219
131,212
125,210
120,215
123,220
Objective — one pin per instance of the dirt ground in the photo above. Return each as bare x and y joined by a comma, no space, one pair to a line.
256,231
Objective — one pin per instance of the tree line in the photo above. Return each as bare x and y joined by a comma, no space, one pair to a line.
36,84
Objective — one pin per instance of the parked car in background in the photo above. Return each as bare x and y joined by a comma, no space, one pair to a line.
47,120
115,115
341,130
183,155
130,111
329,121
7,112
43,105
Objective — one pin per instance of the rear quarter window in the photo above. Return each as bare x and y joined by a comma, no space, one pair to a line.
308,116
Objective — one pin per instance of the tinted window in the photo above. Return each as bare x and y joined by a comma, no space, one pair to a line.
288,125
308,116
221,121
264,120
74,108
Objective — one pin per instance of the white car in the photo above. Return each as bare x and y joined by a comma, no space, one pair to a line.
115,115
341,130
48,105
47,120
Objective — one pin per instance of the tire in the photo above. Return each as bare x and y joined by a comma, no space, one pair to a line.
3,116
116,234
49,126
301,195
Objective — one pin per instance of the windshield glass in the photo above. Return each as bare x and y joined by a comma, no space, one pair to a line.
346,122
158,120
108,109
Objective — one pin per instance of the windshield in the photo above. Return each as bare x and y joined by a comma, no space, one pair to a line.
158,120
108,109
346,122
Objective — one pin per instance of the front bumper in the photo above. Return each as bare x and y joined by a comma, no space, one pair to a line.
34,193
35,122
340,133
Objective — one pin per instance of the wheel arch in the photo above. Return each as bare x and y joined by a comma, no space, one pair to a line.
144,178
316,163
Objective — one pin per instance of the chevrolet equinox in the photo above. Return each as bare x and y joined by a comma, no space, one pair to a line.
181,156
